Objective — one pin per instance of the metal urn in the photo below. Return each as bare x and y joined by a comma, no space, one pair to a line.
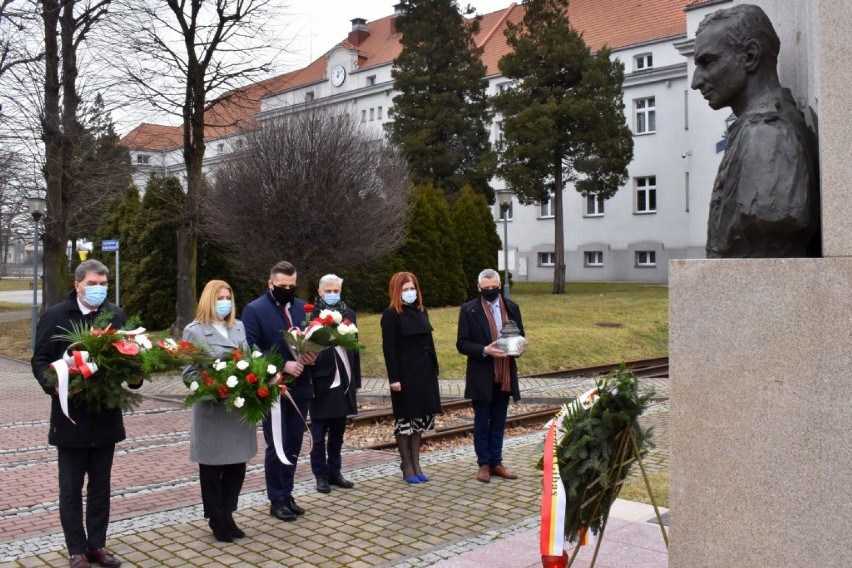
511,341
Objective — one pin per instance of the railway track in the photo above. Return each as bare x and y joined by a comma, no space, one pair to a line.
646,368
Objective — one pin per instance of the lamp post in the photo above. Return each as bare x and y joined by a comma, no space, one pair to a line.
504,198
37,206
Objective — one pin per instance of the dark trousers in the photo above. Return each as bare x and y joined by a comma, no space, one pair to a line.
279,477
220,488
325,455
74,465
489,421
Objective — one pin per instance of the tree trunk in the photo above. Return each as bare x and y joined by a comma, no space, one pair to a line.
559,228
55,263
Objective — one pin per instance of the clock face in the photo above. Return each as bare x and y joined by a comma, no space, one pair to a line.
338,75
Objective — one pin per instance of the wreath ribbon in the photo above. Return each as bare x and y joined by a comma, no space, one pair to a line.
552,541
277,434
75,362
344,357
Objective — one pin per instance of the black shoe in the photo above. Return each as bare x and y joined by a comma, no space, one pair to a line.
281,512
236,531
220,530
290,503
338,481
322,485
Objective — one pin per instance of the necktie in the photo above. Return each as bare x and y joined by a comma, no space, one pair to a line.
287,320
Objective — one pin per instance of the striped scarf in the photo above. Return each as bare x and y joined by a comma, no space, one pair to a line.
502,370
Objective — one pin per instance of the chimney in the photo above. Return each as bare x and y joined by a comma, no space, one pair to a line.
359,31
398,10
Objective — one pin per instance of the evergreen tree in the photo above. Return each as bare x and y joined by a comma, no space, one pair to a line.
365,288
431,251
154,289
120,221
441,117
563,117
477,236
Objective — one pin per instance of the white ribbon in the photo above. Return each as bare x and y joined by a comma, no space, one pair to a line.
277,434
345,358
77,360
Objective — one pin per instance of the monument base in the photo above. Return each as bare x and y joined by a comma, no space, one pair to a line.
761,412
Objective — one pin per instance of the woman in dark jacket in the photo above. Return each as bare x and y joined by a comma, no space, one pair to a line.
412,370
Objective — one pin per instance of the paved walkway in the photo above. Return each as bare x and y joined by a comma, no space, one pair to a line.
452,521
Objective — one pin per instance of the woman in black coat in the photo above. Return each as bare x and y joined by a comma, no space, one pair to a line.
412,370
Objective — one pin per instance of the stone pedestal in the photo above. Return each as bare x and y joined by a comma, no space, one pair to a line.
761,413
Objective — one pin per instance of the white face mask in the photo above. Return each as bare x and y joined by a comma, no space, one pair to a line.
409,296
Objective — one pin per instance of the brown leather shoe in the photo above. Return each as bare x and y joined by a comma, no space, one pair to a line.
500,471
104,558
484,475
79,561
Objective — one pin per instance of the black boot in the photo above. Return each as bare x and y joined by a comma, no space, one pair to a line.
220,529
236,532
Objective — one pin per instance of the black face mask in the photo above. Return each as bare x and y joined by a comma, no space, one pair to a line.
283,295
490,294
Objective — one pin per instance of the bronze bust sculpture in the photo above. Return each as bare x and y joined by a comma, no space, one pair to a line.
765,201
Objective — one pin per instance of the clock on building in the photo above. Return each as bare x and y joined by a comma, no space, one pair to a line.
338,75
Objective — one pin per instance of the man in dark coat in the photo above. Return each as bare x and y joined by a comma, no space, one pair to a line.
491,375
265,320
336,377
85,446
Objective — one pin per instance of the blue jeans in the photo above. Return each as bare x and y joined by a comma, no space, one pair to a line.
489,421
325,456
279,477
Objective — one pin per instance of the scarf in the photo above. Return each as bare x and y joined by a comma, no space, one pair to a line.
502,369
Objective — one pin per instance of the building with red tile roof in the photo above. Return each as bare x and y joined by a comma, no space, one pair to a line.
659,215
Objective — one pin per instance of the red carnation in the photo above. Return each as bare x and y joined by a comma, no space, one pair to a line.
209,381
186,346
263,392
328,320
251,378
238,355
309,308
223,391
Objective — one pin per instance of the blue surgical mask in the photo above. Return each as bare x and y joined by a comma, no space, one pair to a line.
223,308
409,296
331,298
95,295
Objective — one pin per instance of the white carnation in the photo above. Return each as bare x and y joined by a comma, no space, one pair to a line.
242,364
232,381
219,365
193,386
142,341
239,402
271,369
338,317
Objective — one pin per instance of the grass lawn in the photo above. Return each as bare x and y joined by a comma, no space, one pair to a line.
15,339
563,330
8,284
635,489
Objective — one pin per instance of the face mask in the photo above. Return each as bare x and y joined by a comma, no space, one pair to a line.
283,295
95,295
409,296
489,294
223,308
332,299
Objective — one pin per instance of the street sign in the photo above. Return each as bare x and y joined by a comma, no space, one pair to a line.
109,245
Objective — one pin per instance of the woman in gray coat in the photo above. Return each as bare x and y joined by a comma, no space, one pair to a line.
218,440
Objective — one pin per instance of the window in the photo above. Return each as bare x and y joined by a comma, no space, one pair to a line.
220,148
594,206
503,87
593,258
646,258
498,135
508,214
364,115
646,194
309,96
646,115
643,61
239,144
142,158
545,209
547,259
371,80
379,113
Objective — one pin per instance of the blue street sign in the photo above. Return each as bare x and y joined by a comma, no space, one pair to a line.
109,245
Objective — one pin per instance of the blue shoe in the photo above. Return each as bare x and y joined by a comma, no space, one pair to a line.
423,478
412,479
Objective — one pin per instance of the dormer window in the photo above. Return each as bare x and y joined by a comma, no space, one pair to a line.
309,96
371,80
643,61
142,159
